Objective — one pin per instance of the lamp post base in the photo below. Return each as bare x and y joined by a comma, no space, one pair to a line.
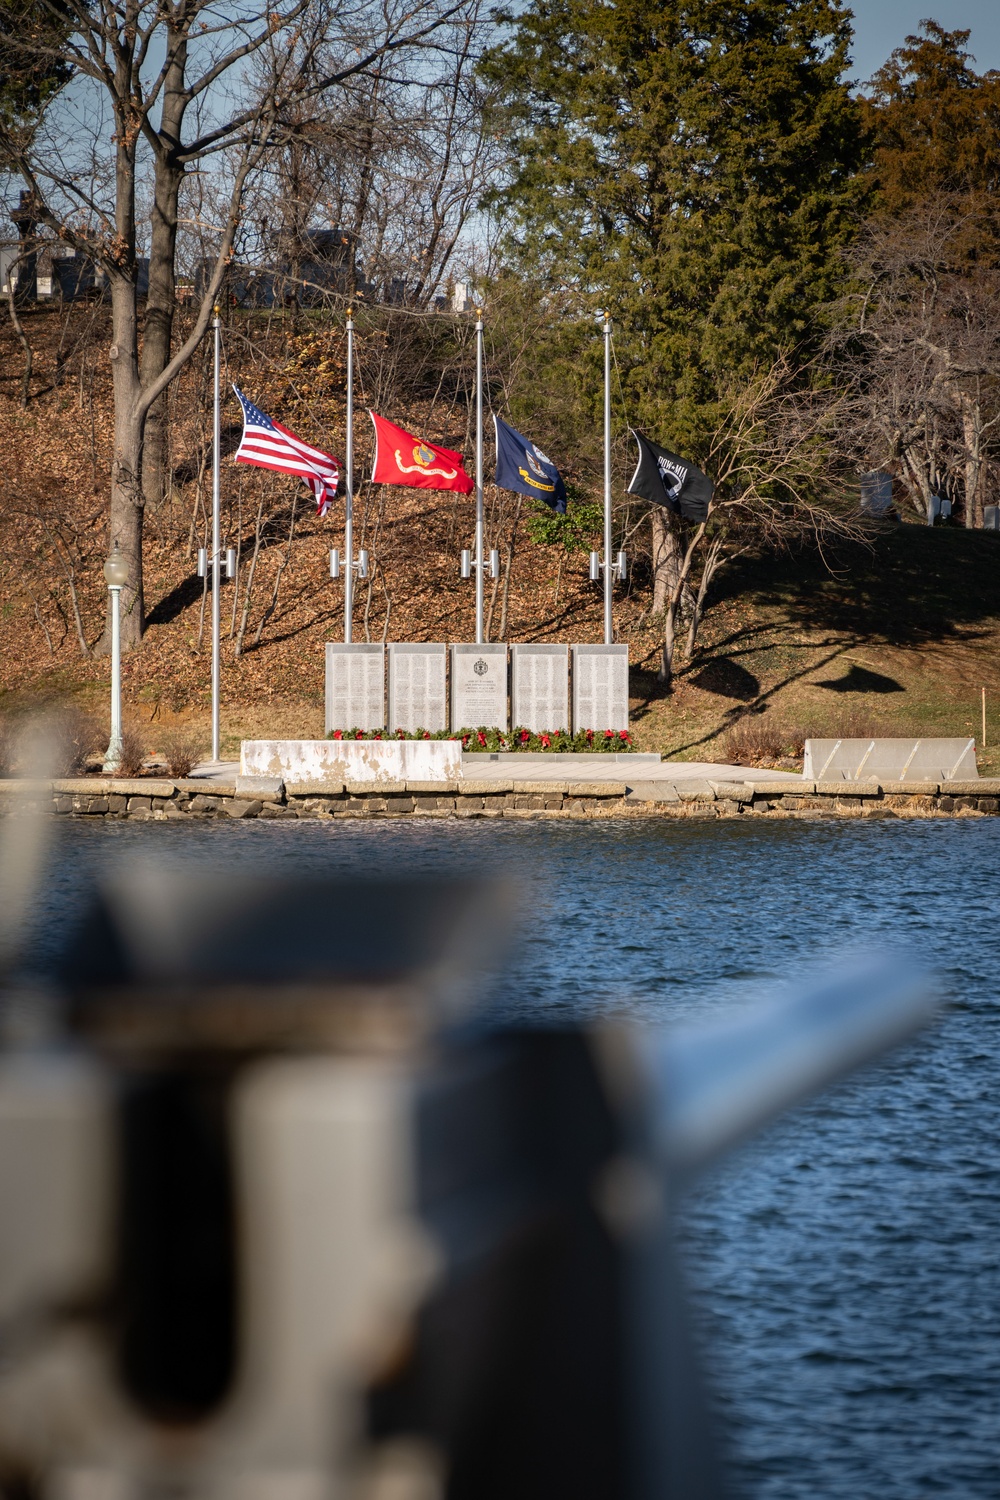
112,757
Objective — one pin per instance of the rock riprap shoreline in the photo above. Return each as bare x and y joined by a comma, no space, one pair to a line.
194,798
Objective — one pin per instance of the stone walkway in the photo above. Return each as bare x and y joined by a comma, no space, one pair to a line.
597,767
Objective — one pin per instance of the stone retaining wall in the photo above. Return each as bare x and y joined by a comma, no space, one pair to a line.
187,800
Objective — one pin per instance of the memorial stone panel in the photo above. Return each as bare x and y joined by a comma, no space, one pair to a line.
417,692
600,687
355,686
539,687
876,493
479,686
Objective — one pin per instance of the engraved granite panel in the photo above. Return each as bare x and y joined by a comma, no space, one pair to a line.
600,687
355,686
479,686
417,697
539,687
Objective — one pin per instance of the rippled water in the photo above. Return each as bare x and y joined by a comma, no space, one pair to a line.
848,1264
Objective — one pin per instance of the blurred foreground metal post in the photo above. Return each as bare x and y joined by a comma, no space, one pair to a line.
275,1204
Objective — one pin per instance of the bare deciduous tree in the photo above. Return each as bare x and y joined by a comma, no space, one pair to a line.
161,91
775,483
919,352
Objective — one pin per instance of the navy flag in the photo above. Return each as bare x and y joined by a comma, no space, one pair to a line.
666,479
523,467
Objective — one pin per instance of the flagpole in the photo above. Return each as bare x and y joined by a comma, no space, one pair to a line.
479,564
349,485
216,559
608,575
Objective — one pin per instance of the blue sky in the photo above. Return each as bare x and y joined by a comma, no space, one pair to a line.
881,25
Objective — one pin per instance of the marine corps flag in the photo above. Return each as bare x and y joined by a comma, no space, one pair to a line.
401,458
666,479
523,467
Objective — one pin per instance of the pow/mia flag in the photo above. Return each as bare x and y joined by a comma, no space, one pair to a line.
666,479
523,467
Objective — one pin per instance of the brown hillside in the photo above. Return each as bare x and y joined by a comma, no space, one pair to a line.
903,635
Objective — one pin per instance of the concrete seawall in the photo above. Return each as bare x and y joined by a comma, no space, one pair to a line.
190,799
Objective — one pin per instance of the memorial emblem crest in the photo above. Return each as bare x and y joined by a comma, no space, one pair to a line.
481,668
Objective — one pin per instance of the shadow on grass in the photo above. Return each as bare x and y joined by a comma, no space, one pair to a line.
861,680
914,584
727,679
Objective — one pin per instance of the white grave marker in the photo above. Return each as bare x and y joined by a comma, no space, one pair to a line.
355,686
417,697
539,687
479,686
600,687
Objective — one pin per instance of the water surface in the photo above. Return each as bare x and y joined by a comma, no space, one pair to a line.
847,1265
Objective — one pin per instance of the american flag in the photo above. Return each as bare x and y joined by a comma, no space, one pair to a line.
270,446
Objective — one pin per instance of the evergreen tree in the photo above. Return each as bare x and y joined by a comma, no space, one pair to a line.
31,68
693,166
935,120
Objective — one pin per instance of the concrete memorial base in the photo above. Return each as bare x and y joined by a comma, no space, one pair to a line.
377,761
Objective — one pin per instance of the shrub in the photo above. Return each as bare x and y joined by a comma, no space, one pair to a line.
133,753
72,737
861,724
752,741
182,752
58,741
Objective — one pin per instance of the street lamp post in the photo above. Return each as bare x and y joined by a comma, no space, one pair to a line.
116,574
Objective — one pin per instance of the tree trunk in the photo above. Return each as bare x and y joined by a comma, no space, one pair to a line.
667,558
677,593
919,479
126,467
973,465
29,358
161,298
708,572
